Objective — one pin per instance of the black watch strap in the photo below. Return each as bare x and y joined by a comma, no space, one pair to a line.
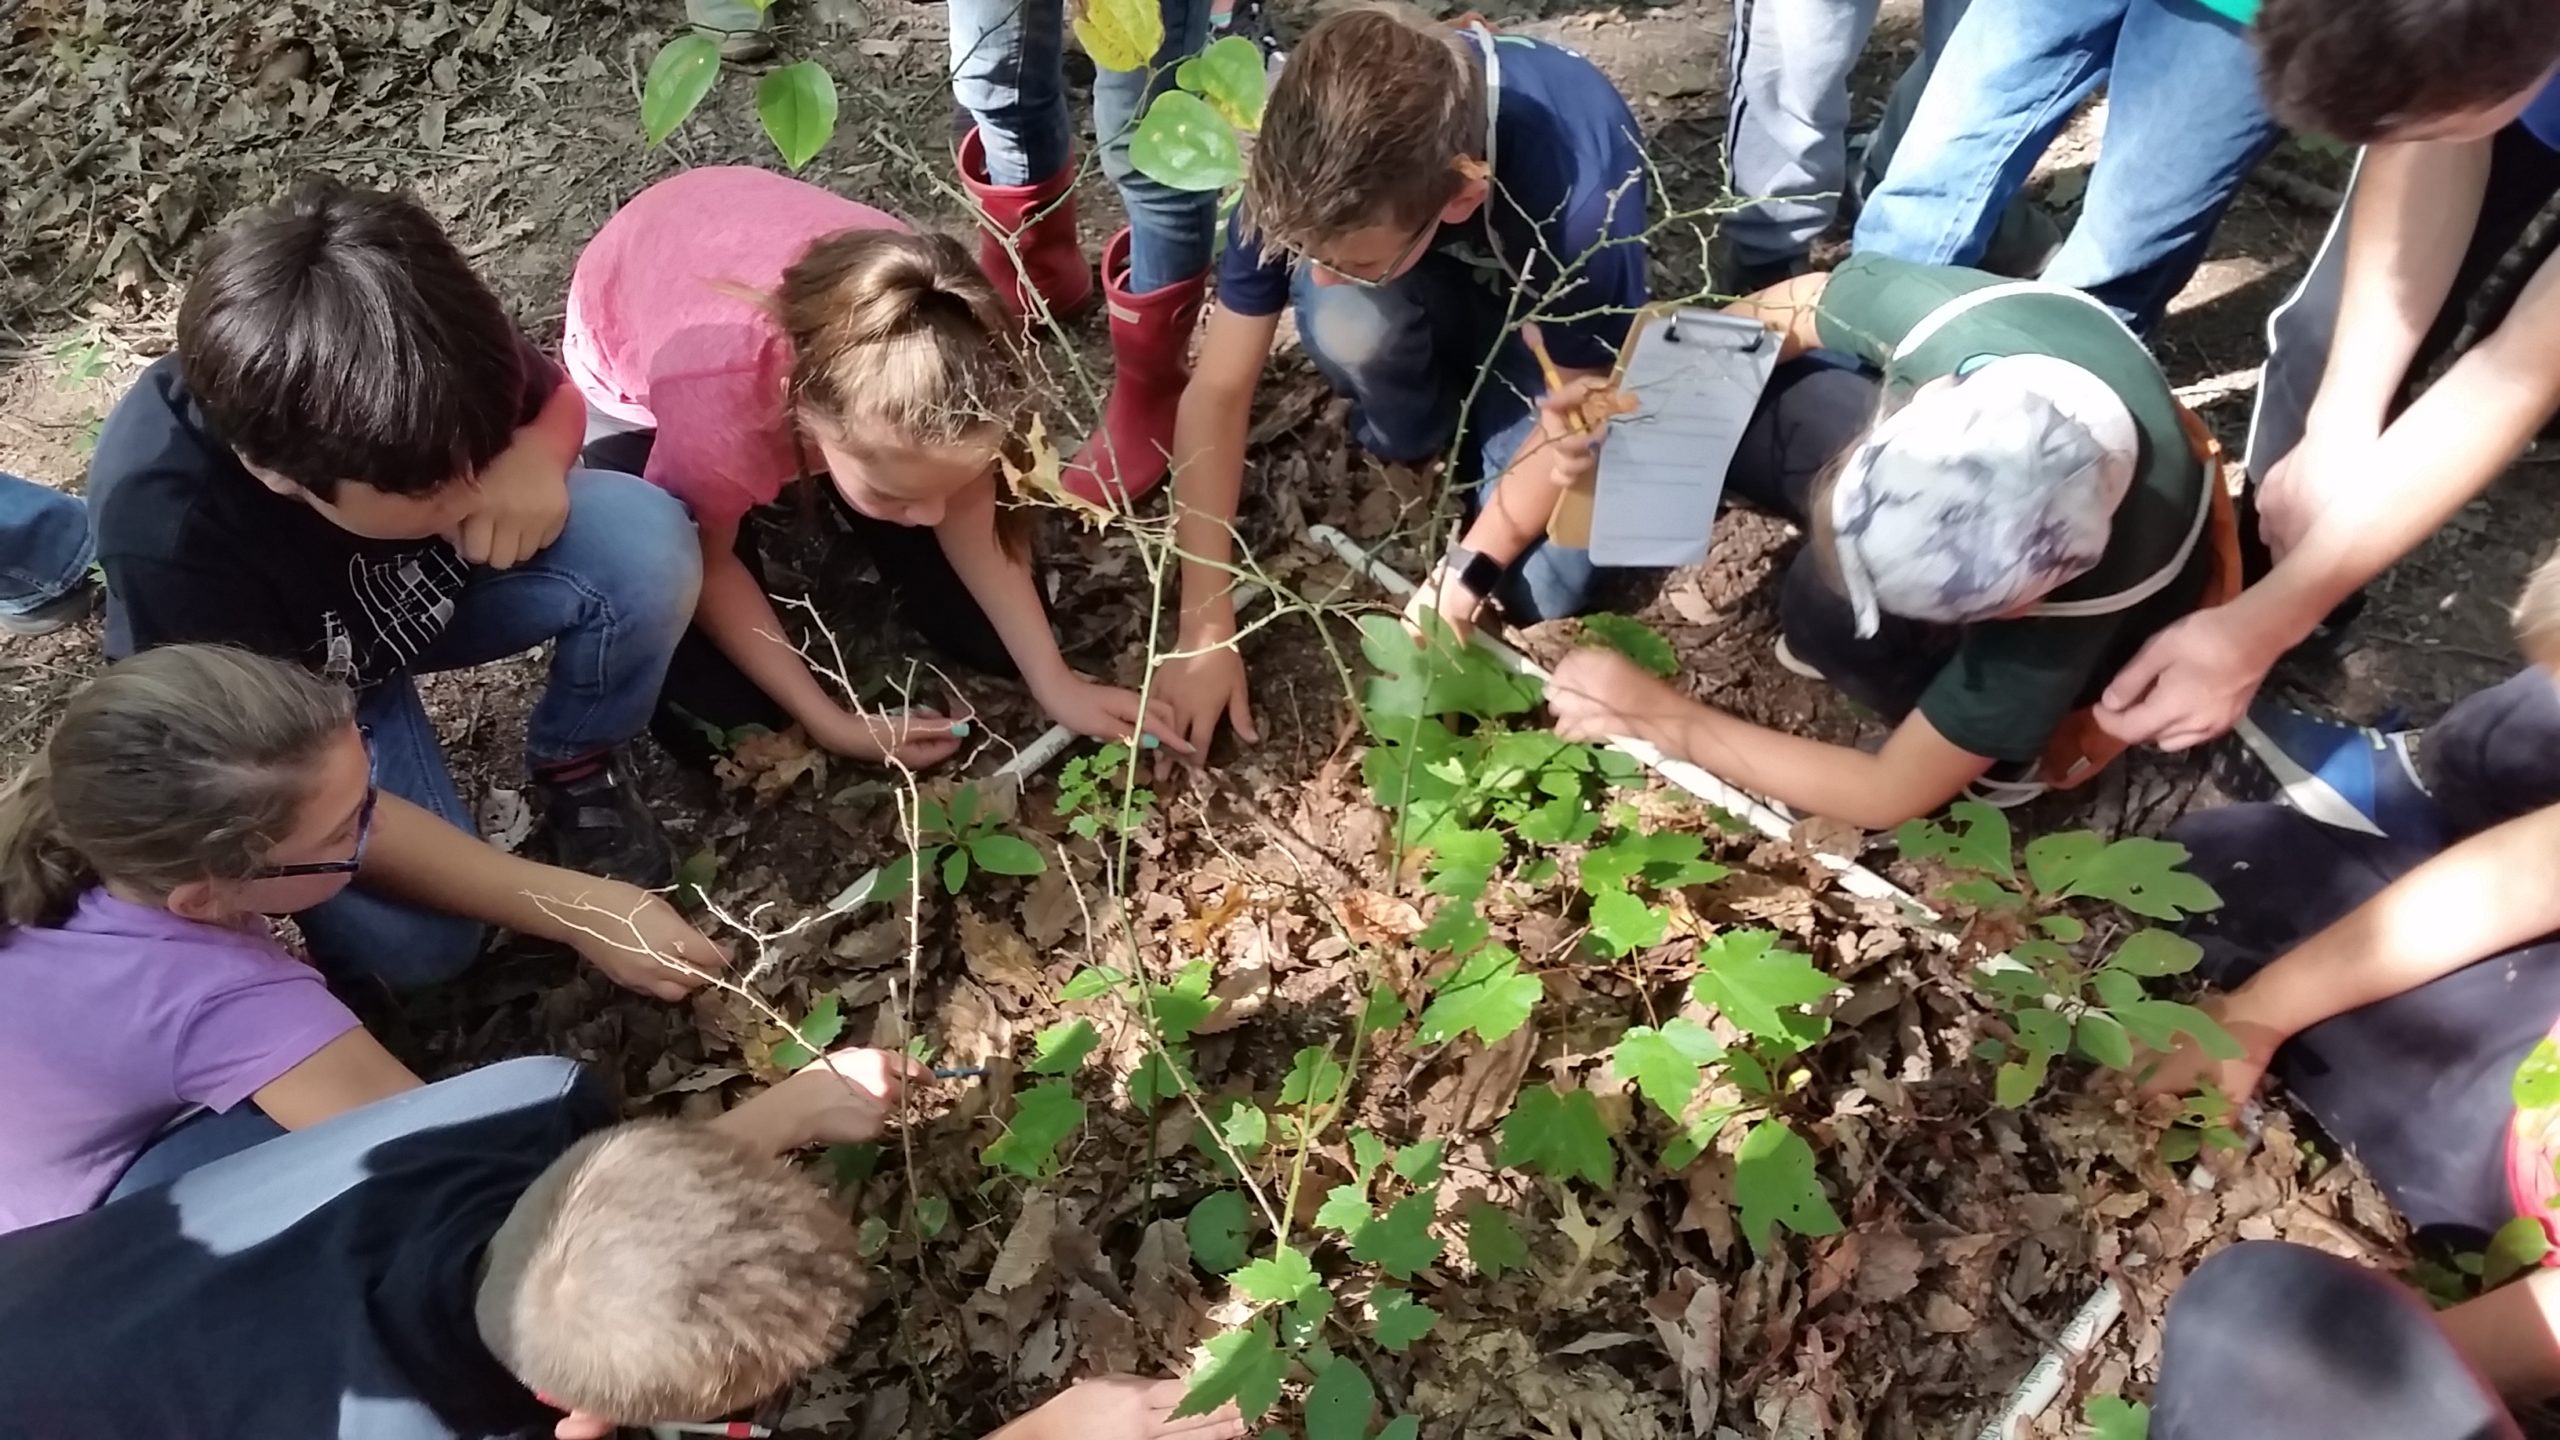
1479,573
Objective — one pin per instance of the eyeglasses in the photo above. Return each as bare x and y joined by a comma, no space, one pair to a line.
1395,268
364,825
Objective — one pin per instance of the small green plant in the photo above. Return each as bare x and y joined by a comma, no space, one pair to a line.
1192,137
2204,1121
1086,786
956,836
2060,996
795,103
2112,1417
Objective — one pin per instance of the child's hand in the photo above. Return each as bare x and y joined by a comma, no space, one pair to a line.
1443,592
1572,421
1599,695
916,739
621,929
847,1097
1107,712
523,506
1122,1407
1203,688
2185,1070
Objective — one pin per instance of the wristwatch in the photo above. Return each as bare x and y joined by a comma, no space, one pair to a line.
1480,573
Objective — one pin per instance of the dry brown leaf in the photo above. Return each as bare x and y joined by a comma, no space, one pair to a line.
1889,1265
1001,958
1026,1254
1689,1317
1049,909
769,763
1944,1316
1244,983
1485,1088
1376,919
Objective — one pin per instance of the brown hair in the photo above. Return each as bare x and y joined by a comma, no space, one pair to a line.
670,1272
2359,70
2537,616
339,335
901,331
1365,126
184,763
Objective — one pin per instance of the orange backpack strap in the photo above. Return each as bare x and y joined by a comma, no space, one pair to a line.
2082,747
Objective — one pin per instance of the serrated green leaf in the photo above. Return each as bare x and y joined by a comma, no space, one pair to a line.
2154,952
1621,924
1698,1134
1664,859
2101,1038
818,1030
797,105
1558,1134
1486,994
1230,74
1091,983
2110,1417
933,1214
1761,988
1064,1047
999,854
1666,1064
2138,873
1340,1403
1179,1009
1384,1010
1345,1208
1419,680
1462,861
679,76
1368,1152
1302,1325
1400,1241
2518,1246
1245,1129
1977,838
1161,1077
1043,1117
1218,1227
1419,1162
2537,1082
1314,1079
1456,928
1635,640
852,1165
1243,1366
1493,1246
1279,1278
1401,1318
1774,1184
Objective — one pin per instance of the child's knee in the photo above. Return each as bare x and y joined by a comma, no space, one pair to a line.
639,547
1348,328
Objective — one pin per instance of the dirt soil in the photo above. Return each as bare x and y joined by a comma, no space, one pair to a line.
1974,1232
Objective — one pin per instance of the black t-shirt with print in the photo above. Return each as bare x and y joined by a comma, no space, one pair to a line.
196,549
318,1286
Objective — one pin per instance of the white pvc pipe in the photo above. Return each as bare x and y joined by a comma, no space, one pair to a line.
1855,878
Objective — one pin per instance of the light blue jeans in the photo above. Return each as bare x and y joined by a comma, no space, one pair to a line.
1407,354
1007,72
45,548
2185,125
615,593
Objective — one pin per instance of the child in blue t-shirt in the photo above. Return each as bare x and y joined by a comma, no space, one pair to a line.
1418,193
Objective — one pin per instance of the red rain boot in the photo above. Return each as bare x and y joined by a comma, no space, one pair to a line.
1042,221
1151,362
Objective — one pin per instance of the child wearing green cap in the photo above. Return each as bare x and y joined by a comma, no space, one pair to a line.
2002,499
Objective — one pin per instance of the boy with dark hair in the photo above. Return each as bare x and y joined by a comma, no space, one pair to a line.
355,461
1418,192
2354,463
487,1256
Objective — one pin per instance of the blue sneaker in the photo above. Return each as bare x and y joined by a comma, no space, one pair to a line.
2352,776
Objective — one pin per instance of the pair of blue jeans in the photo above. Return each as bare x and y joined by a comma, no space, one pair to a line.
614,594
2185,125
1008,72
1408,354
45,546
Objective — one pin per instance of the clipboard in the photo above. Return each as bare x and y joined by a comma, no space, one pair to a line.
1696,376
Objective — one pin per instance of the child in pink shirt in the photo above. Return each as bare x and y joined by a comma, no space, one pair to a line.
740,329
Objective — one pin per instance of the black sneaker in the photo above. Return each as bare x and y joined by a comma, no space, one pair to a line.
70,607
597,826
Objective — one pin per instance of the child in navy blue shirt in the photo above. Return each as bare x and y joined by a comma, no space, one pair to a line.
1418,192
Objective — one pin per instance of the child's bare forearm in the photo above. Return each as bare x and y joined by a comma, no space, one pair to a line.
2511,1336
739,617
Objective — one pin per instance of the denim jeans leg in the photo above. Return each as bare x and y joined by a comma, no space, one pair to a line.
45,548
2185,125
1405,353
1787,124
615,592
1171,231
2004,86
361,932
200,1139
1006,71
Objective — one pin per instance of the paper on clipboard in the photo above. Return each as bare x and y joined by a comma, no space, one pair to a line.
1696,376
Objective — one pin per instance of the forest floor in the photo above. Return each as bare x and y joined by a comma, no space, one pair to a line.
1972,1233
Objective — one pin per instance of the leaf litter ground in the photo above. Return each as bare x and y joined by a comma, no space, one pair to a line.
1625,1304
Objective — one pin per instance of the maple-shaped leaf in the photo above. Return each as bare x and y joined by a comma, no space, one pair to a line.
1977,839
2112,1417
1401,1318
1064,1047
1345,1208
1340,1403
1622,924
1241,1365
2138,873
1492,1244
1314,1078
1419,1162
1666,1064
1558,1134
1774,1184
1635,640
1217,1228
1160,1077
1043,1117
1486,995
1761,988
1368,1152
824,1023
1400,1240
1277,1279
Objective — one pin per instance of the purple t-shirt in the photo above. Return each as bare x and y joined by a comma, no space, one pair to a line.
120,1020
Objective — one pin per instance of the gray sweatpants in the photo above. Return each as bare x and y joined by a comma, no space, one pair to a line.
1787,116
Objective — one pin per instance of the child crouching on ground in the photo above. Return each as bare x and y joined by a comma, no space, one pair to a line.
734,330
186,794
487,1256
2002,501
